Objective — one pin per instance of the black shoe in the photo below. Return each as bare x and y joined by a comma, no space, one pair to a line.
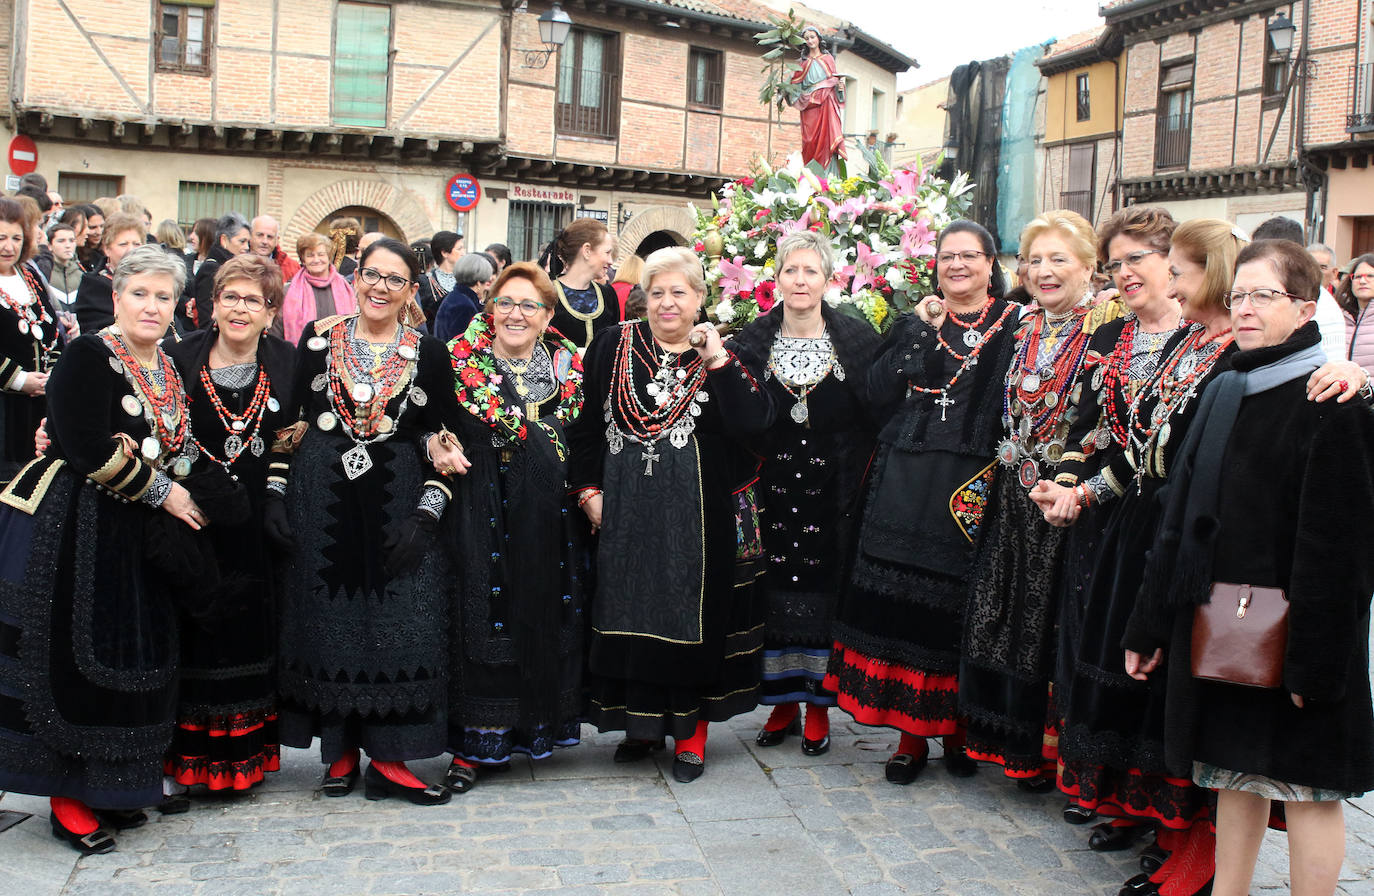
1140,885
123,819
339,785
634,750
1152,858
960,765
175,804
687,767
1107,837
816,747
903,768
768,738
460,778
97,842
1076,814
1038,784
378,786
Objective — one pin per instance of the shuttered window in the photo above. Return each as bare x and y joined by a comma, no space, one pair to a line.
78,188
198,199
183,35
362,64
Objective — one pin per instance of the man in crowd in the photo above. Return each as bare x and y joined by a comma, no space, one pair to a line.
266,240
1326,260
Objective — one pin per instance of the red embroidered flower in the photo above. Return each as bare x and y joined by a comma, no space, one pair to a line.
471,377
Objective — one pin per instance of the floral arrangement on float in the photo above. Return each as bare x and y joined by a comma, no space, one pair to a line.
883,225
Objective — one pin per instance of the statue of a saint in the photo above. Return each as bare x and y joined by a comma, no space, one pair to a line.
819,103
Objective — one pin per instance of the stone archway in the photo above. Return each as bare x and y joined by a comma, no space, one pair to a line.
394,202
673,219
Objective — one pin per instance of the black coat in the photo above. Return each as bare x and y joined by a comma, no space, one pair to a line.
1296,511
204,290
95,301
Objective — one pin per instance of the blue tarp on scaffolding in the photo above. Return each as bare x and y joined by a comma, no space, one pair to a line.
1016,168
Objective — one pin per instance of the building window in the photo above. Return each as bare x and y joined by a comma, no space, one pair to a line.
197,199
589,85
705,77
1078,193
362,64
1085,110
183,36
875,111
1174,116
77,188
530,226
1275,75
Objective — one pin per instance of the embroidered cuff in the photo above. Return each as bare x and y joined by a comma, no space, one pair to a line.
158,491
433,501
124,475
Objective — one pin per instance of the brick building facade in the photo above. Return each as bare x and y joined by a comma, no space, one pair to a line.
311,108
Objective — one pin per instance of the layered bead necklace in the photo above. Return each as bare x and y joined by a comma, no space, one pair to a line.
360,390
1125,371
237,427
967,362
34,320
676,390
162,406
1038,390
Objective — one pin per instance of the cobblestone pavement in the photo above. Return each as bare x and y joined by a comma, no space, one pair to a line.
760,821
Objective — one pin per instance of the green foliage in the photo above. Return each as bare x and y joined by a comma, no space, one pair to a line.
782,43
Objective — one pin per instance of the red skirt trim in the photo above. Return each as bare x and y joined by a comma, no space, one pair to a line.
889,695
225,753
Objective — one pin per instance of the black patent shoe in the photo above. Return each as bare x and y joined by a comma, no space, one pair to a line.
175,804
1107,837
634,750
97,842
122,819
816,747
1152,858
768,738
339,785
687,767
1076,814
960,765
1140,885
903,768
1038,784
378,786
460,778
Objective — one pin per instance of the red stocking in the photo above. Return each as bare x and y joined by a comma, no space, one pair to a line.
1196,865
344,765
781,717
397,773
817,723
913,745
73,815
458,760
694,744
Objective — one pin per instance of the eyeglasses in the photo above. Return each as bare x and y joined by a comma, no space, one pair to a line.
394,282
1259,298
1362,277
1133,261
505,304
232,299
967,257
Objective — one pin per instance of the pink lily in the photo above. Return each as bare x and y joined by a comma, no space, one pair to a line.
787,228
851,208
864,269
917,239
904,182
735,278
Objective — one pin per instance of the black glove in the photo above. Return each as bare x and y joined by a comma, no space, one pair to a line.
275,524
407,542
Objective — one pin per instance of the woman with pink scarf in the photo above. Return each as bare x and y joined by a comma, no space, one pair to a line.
317,292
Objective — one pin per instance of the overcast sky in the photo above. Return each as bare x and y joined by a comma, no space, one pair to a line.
941,35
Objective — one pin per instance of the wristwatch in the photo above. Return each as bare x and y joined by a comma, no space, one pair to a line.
1366,392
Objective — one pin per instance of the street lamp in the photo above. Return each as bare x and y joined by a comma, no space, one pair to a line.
554,26
1281,31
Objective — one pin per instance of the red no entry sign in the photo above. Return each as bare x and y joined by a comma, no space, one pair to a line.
23,155
462,192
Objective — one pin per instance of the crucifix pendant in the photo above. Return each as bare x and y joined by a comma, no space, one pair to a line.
649,456
944,401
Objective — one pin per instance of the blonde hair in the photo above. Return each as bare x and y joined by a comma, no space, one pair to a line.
121,222
1070,225
629,271
1214,245
674,260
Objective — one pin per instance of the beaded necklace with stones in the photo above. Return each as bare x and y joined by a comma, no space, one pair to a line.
970,328
967,361
1114,376
800,412
164,409
1174,385
675,388
34,320
236,427
1038,396
387,379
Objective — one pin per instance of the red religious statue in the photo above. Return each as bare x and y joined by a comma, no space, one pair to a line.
819,103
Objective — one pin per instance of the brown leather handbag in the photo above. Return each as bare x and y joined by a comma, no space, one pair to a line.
1241,635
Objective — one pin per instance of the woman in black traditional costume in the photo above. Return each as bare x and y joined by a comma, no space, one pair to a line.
939,378
363,649
1270,491
517,625
1009,639
1111,746
659,468
580,256
815,361
238,380
30,341
87,626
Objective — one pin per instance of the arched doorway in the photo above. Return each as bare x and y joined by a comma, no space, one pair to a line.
654,228
659,239
389,204
371,219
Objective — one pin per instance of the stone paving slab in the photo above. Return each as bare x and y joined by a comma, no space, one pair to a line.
759,822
